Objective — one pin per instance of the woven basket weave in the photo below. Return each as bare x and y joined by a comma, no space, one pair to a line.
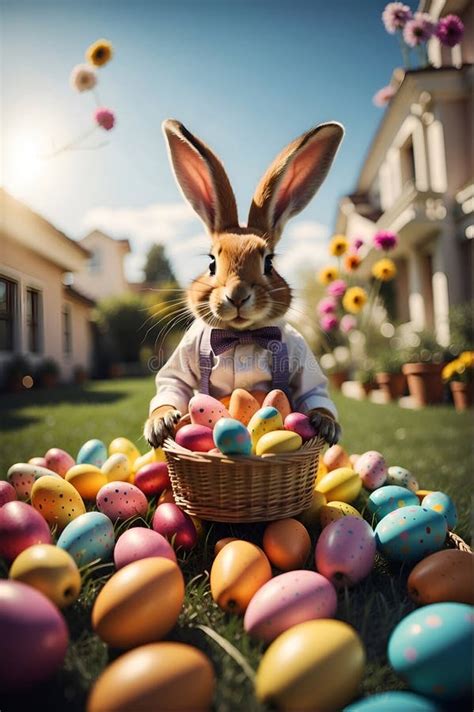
224,488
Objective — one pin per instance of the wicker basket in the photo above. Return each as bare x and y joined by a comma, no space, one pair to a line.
224,488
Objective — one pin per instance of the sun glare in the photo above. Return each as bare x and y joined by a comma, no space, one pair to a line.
23,162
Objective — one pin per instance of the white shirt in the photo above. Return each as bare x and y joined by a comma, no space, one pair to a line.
243,366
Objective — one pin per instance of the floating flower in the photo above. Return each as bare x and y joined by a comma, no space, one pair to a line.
352,262
395,16
384,270
105,118
384,96
337,288
83,77
328,305
99,53
450,30
329,322
467,358
348,323
385,240
354,300
356,244
328,275
338,245
419,30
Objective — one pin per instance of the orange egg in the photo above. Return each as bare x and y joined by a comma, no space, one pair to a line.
238,571
159,676
184,420
242,405
166,497
219,545
336,457
421,494
225,400
287,544
444,576
278,399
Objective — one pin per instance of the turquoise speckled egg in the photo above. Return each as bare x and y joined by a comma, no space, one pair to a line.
432,649
403,478
93,452
232,437
88,537
442,503
387,499
394,701
410,533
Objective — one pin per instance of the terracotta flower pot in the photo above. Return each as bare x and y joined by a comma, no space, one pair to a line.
391,384
424,382
337,378
462,394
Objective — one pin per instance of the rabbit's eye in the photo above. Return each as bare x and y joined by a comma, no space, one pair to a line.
212,265
268,265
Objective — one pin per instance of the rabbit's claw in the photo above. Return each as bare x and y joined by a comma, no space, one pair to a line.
328,428
159,427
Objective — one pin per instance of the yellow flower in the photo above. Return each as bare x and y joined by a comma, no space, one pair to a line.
352,262
99,53
384,270
354,300
467,358
338,245
448,371
328,275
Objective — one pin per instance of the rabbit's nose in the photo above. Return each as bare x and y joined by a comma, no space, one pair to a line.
236,301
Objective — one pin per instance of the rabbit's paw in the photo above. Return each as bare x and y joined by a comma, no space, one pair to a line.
325,426
161,425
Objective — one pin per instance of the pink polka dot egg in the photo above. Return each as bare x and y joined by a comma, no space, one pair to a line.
121,500
372,469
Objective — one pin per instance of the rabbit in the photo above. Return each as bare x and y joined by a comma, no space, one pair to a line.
241,295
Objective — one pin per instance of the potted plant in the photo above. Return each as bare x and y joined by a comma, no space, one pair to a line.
79,375
17,369
48,373
459,375
366,378
423,370
389,377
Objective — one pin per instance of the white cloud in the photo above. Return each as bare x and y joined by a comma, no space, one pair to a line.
308,230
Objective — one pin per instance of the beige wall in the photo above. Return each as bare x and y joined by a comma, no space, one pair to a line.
81,354
110,279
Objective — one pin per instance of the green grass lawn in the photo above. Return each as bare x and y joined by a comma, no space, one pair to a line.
435,444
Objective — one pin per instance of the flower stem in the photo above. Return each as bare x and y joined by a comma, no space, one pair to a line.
71,144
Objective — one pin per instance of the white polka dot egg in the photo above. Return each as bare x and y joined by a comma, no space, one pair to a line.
403,478
121,500
372,469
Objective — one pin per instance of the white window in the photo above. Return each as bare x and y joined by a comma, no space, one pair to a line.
95,262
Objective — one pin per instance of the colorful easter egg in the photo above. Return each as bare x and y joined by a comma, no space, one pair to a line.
353,459
242,405
171,522
388,498
315,665
153,455
41,461
89,537
34,637
21,526
121,500
279,400
141,543
301,424
403,478
197,438
166,497
124,446
238,571
336,457
431,649
442,503
50,570
310,516
92,452
321,471
394,701
232,437
22,477
444,576
184,420
158,676
219,545
345,551
57,501
59,461
411,533
265,420
372,469
287,600
332,511
126,614
287,544
342,485
206,410
7,493
278,441
153,478
117,468
87,479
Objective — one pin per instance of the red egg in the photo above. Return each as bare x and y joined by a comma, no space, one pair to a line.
21,526
59,460
197,438
170,521
141,543
153,478
7,493
345,552
34,636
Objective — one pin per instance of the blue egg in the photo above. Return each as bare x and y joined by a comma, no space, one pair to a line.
93,452
232,437
410,533
432,650
395,701
88,537
387,499
442,503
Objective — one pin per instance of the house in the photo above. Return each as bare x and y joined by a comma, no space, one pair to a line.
417,180
103,274
40,316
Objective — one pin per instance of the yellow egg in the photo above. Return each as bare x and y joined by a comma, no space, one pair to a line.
278,441
161,676
310,516
238,571
140,603
154,455
87,479
50,570
322,470
124,446
336,510
57,500
287,544
263,421
342,485
117,468
316,665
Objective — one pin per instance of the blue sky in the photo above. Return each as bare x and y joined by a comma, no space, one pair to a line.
247,76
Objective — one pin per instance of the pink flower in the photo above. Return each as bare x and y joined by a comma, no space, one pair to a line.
348,323
385,240
329,322
328,305
356,244
105,118
384,96
450,30
419,30
337,288
395,16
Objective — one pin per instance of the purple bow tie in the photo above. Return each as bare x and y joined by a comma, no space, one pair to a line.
269,337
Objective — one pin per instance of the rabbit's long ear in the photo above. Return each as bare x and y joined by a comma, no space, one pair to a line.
201,177
293,178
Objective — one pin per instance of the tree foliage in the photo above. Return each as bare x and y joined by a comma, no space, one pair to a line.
158,269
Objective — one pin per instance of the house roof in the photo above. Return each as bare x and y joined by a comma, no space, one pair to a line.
78,296
103,236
